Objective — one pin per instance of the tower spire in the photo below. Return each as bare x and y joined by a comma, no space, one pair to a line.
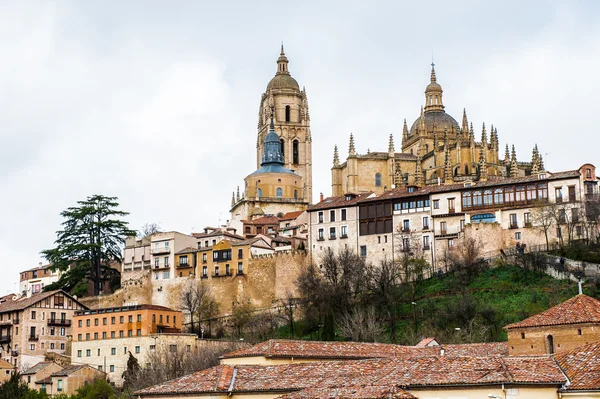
433,93
391,149
507,154
282,63
514,169
404,132
351,149
336,156
465,122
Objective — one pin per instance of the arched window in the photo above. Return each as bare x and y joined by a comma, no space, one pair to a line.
487,198
295,153
378,180
430,99
498,196
295,194
477,198
259,192
466,169
282,149
279,192
287,113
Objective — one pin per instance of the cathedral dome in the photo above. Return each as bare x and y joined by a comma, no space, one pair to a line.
439,119
283,81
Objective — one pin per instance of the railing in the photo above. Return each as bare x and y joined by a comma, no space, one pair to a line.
513,226
321,239
451,210
183,264
161,267
4,339
59,322
34,337
161,250
240,272
332,237
406,229
426,247
344,236
5,322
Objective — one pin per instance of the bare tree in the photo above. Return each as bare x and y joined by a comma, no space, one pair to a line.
287,310
465,259
196,298
362,325
385,288
148,229
543,218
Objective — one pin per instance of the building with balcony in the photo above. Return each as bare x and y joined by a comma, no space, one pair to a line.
32,326
34,280
212,235
103,338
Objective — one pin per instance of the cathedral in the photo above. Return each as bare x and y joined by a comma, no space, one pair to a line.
435,150
283,179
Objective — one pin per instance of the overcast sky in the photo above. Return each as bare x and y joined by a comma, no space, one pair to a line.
156,102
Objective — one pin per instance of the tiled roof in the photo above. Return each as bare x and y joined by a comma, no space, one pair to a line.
579,309
320,350
47,380
68,370
351,392
217,233
425,342
338,202
479,349
407,373
24,303
291,215
582,366
189,250
36,368
6,365
270,219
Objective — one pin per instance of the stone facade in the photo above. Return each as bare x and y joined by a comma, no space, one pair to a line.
435,150
536,341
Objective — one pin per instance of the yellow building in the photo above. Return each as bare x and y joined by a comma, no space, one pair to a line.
283,181
435,150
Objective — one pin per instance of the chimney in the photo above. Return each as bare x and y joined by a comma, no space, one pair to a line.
321,196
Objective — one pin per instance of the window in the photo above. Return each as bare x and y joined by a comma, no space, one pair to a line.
498,196
522,335
104,321
378,180
52,345
406,244
443,228
240,253
287,113
558,194
321,235
59,384
79,337
332,216
122,319
509,195
130,318
173,348
240,269
451,208
216,270
88,322
166,275
112,334
436,204
279,192
462,225
344,232
406,225
121,333
477,198
562,216
112,368
87,336
487,198
104,335
99,368
79,323
183,260
96,321
32,347
425,222
451,243
259,192
166,261
518,235
88,352
343,214
332,233
156,262
426,243
205,271
513,221
320,217
79,353
572,196
295,153
113,320
363,251
466,200
113,351
531,192
33,314
95,335
137,349
527,219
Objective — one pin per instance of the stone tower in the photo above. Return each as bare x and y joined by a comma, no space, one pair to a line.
288,106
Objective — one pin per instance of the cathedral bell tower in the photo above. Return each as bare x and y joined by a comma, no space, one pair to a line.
287,105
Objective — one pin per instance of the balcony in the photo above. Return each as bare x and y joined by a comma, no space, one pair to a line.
161,250
332,237
4,339
183,265
513,226
240,272
527,224
34,337
344,236
6,322
426,227
161,267
320,238
426,248
59,322
451,210
406,229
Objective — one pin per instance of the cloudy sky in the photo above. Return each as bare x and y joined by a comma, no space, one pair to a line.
156,102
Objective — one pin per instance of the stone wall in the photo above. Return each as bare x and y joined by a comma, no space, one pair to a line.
535,340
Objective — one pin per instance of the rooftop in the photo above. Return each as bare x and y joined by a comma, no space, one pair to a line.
582,366
579,309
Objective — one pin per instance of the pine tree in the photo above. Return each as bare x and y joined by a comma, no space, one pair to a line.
132,372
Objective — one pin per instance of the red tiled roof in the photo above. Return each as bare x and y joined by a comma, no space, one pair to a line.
291,215
320,350
407,373
351,392
271,219
24,303
425,342
479,349
579,309
338,202
582,366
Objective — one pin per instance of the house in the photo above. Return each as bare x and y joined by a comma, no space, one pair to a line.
32,326
38,376
6,370
71,378
566,326
34,280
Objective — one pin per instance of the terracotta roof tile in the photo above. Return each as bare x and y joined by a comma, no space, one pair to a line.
351,392
34,369
24,303
338,202
407,372
582,366
579,309
291,215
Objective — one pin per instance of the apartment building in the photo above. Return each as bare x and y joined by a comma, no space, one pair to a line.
224,259
32,326
213,235
432,220
155,252
103,338
34,280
